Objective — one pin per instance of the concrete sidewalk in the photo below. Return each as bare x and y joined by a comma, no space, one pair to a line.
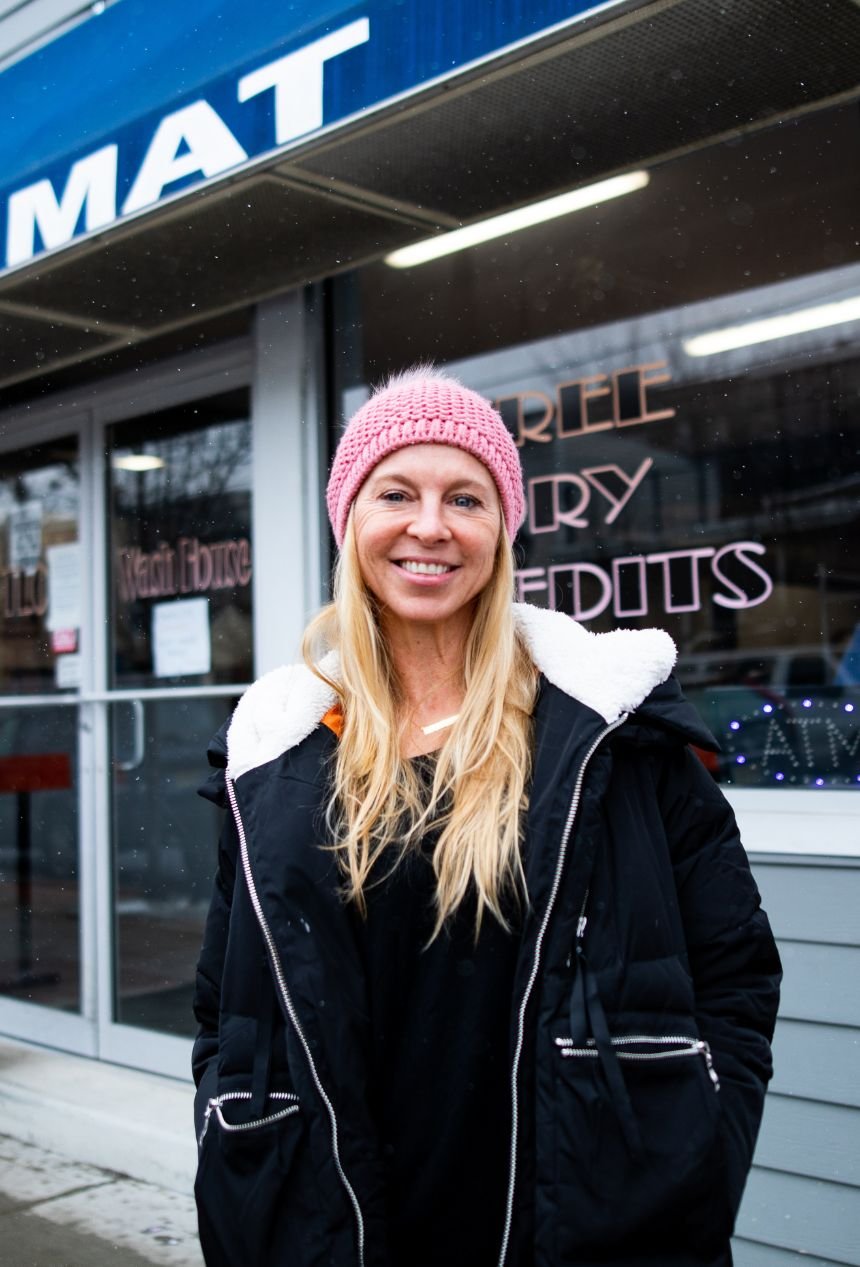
96,1164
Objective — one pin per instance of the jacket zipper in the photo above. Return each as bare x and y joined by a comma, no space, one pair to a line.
216,1103
291,1012
679,1046
521,1017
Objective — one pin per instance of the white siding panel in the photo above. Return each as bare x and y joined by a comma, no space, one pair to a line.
748,1254
808,1216
819,1062
808,903
821,1141
821,983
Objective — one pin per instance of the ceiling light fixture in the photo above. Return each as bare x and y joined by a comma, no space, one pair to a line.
138,462
779,327
513,221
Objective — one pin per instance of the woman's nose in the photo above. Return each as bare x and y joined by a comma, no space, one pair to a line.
428,523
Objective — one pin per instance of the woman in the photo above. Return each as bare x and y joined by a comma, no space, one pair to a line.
485,978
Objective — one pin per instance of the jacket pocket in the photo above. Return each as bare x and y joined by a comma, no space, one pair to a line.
248,1172
645,1047
637,1146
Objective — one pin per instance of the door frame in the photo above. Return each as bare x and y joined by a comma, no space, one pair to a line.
282,364
178,382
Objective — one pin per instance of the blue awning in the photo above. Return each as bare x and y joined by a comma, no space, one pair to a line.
152,98
181,212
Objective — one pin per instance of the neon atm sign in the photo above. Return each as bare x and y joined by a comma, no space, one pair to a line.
191,144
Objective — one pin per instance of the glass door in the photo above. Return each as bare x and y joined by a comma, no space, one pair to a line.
180,650
42,620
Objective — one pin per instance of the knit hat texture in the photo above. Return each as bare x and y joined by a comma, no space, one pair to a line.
420,407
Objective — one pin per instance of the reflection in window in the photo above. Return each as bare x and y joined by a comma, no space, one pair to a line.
39,919
180,533
164,855
40,613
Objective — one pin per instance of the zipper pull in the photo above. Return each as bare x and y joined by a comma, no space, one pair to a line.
582,922
206,1116
709,1061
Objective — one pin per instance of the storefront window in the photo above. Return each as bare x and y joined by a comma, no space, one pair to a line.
693,459
713,496
180,575
165,838
180,542
40,619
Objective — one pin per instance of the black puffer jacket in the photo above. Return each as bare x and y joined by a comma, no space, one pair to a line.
644,1003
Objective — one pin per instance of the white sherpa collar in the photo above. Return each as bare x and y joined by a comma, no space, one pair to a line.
611,673
276,713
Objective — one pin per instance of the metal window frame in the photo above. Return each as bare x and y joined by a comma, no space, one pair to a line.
804,822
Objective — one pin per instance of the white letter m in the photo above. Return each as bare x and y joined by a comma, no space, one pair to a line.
91,188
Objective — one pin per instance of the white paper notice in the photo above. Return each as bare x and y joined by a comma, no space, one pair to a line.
67,671
64,586
181,644
25,536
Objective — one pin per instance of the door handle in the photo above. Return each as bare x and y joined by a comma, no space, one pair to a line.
139,738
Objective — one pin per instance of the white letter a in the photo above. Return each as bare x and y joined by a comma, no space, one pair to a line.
211,148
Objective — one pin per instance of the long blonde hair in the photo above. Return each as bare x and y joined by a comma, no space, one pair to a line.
379,807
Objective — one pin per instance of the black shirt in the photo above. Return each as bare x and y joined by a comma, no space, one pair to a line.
440,1089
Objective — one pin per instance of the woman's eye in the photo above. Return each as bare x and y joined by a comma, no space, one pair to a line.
393,495
465,501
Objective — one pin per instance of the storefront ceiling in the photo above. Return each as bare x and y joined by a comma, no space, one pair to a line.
651,83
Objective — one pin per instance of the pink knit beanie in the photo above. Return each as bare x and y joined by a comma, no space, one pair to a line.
423,406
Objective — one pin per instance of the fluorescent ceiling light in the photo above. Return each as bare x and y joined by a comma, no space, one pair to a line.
774,327
513,221
138,462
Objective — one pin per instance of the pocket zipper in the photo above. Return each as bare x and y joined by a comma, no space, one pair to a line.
214,1105
681,1045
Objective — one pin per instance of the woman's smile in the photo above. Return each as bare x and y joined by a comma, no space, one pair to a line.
422,568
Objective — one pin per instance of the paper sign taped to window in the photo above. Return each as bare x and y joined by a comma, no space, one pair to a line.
64,586
68,672
181,643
